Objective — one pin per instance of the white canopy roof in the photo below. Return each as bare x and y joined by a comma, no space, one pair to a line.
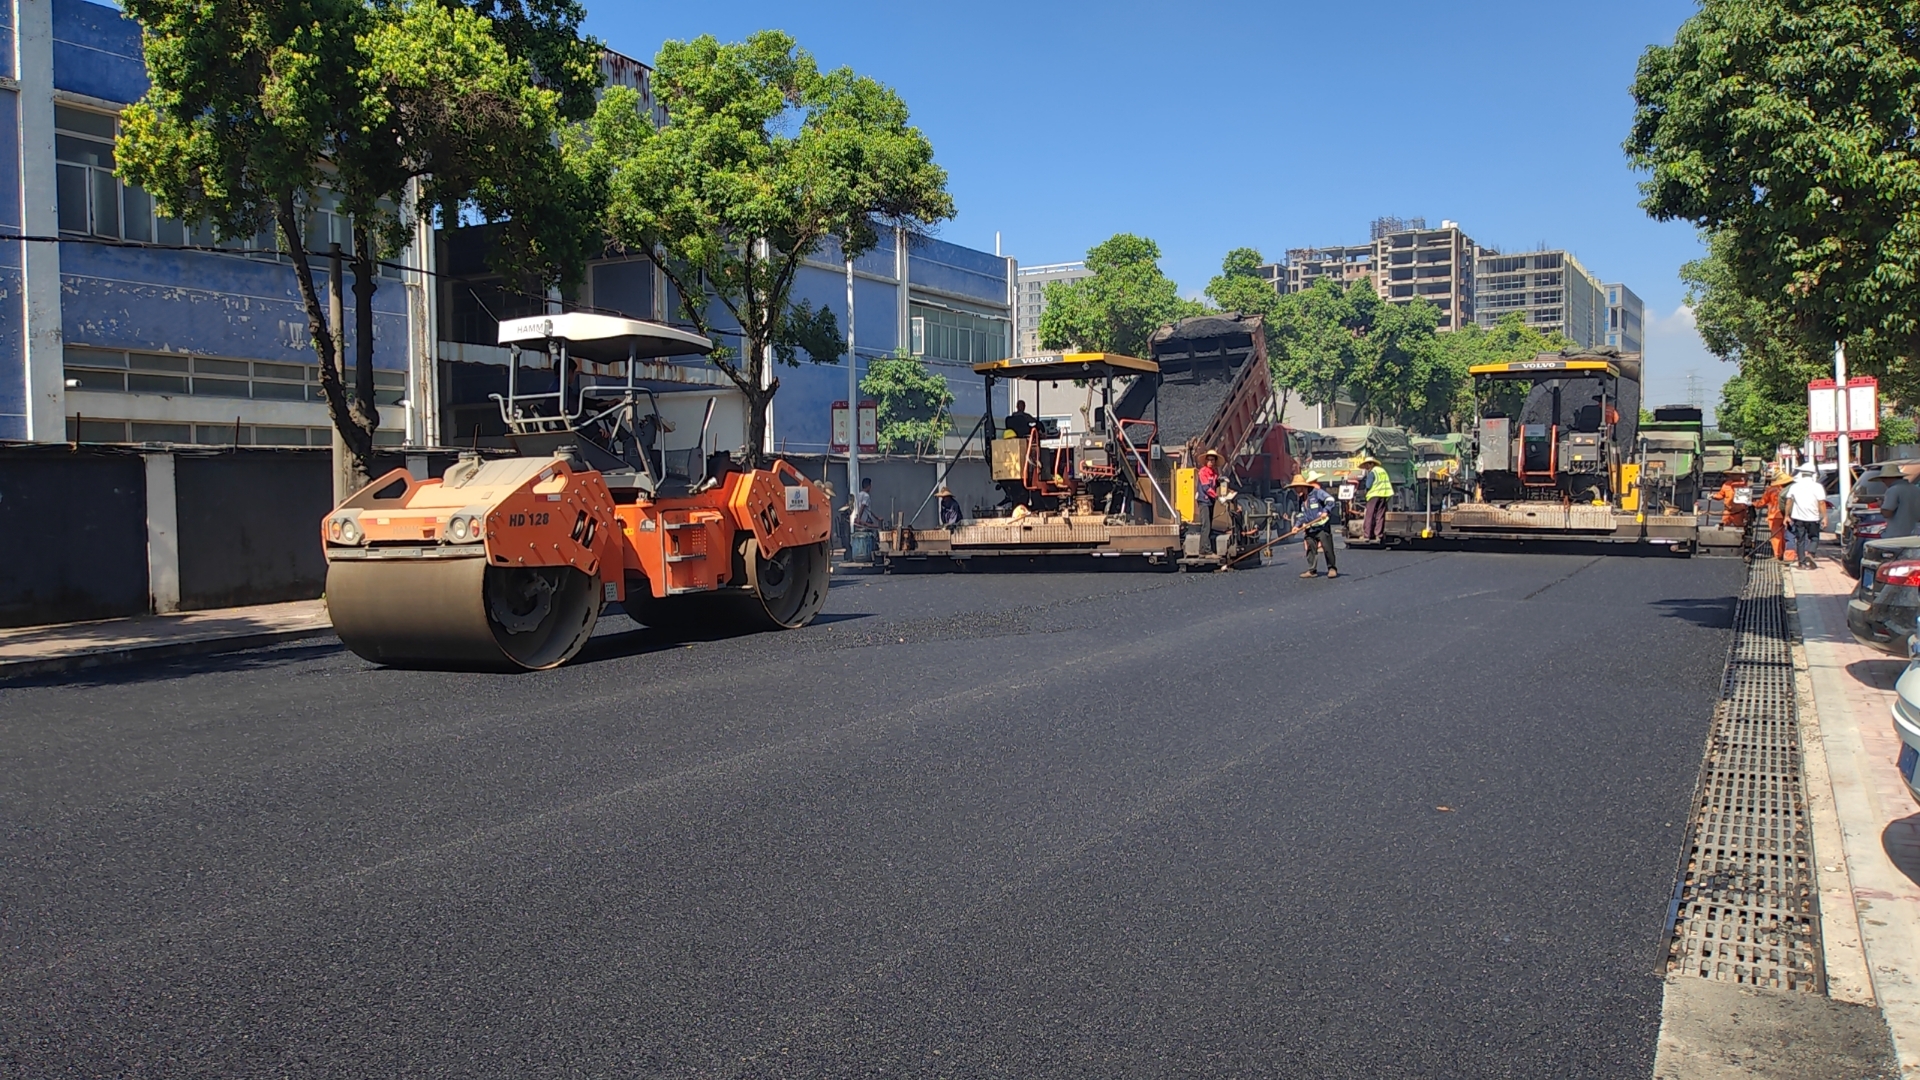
604,339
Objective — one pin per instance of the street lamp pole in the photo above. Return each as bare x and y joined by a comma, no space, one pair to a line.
853,416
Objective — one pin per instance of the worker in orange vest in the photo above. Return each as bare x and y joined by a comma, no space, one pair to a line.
1776,514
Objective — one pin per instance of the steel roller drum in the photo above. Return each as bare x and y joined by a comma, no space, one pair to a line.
461,613
782,593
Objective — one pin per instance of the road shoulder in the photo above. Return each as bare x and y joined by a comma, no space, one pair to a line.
41,651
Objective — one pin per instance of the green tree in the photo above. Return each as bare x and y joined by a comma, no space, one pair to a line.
1505,341
1239,286
1766,404
911,400
256,108
1316,338
1119,306
766,157
1786,128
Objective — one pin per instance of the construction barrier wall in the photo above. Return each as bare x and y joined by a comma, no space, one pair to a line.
73,536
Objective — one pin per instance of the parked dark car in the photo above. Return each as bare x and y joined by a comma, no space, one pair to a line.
1886,603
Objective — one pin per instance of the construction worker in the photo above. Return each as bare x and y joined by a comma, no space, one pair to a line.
1776,514
1806,503
1020,421
949,508
1377,488
1736,499
1318,509
1206,488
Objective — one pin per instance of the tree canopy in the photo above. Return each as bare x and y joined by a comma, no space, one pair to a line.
766,157
1119,306
258,110
911,401
1786,129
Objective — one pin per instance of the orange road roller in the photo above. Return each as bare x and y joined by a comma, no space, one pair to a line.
505,563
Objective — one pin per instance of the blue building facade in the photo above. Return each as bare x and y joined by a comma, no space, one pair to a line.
101,341
105,341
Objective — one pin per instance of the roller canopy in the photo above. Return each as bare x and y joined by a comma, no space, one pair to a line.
604,339
1066,366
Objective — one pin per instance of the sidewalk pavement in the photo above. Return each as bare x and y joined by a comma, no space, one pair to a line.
53,650
1878,821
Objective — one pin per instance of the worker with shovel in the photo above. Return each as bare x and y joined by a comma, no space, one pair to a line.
1318,508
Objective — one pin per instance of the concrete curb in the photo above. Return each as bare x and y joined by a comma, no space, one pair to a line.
1841,949
121,655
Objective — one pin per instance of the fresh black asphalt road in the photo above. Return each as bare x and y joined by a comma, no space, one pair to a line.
1420,821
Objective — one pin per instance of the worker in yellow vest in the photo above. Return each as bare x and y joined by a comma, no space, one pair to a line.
1379,491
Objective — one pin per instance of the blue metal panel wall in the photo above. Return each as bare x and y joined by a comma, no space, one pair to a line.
13,315
199,302
951,268
802,409
6,41
96,51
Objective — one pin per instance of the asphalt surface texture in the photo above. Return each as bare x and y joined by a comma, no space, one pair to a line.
1423,820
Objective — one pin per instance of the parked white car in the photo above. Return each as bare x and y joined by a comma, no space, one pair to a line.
1906,715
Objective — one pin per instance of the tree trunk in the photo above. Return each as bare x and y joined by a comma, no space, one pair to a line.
366,415
326,342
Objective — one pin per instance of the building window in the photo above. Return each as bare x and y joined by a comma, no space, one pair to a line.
91,200
88,429
206,376
960,336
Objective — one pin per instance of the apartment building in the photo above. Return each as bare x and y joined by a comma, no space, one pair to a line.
1435,265
1030,285
1404,259
1550,289
1626,319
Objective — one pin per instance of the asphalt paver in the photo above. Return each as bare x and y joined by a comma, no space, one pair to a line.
1422,820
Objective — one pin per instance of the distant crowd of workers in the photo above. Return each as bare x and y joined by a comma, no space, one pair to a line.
1795,505
1316,510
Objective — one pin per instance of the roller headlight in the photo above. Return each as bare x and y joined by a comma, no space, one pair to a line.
458,530
349,532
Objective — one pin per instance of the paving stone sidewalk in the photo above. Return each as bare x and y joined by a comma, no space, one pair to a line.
1879,822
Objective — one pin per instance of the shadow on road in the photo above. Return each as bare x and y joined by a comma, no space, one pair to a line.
264,658
1901,841
1714,613
1546,547
1879,674
641,640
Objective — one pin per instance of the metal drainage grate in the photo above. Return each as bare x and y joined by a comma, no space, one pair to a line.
1744,910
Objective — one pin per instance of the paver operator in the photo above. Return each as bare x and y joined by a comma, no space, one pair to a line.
1378,489
1318,509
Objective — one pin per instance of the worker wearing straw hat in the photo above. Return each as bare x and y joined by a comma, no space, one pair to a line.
1206,488
1318,509
949,507
1378,489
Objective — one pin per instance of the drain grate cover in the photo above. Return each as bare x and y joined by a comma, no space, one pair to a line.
1745,909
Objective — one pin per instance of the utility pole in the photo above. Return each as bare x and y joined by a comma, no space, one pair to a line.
1841,403
853,416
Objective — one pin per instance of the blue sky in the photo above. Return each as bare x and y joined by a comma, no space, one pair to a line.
1209,126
